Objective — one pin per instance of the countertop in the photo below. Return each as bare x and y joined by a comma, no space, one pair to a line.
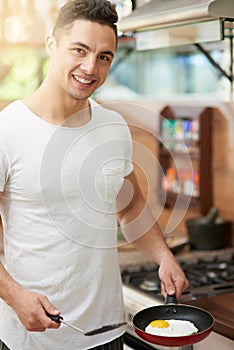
128,255
221,307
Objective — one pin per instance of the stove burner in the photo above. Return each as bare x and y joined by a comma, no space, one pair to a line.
149,286
206,278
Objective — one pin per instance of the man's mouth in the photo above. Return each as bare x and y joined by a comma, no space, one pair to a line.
82,80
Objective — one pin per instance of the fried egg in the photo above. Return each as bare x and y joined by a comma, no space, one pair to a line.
171,328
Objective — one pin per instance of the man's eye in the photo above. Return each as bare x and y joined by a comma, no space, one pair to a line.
79,50
104,58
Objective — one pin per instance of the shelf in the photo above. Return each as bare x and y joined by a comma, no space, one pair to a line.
191,171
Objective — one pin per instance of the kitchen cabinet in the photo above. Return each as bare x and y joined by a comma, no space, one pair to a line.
185,156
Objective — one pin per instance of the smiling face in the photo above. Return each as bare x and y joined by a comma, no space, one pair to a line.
80,60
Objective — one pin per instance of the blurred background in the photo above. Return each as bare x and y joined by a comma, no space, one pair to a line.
146,74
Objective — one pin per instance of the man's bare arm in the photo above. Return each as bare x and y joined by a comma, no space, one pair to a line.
140,227
29,306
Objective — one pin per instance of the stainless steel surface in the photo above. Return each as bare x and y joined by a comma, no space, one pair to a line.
159,14
203,32
71,326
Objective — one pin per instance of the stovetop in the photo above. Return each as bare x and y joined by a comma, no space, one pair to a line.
207,278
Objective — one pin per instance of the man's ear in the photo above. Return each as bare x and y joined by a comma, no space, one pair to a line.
50,44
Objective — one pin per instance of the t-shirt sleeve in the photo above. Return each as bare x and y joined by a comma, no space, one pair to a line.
4,166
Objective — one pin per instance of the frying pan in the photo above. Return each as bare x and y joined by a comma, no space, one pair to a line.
203,320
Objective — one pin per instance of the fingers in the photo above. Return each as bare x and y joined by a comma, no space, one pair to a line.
173,279
171,287
31,308
167,287
48,307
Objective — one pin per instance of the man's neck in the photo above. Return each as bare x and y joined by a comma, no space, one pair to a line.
59,111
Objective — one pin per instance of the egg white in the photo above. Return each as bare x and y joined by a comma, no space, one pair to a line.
176,328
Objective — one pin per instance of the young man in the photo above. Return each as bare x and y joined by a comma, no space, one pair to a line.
65,176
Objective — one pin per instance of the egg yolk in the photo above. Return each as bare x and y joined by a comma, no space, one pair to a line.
159,324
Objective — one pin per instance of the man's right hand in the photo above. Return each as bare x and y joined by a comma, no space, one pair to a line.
31,308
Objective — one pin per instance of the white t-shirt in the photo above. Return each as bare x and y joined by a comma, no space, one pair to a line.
59,187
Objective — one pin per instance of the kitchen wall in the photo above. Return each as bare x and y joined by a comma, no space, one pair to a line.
143,118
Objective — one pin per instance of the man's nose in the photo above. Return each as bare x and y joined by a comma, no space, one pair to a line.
89,65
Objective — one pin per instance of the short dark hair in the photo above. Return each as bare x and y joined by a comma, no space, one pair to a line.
99,11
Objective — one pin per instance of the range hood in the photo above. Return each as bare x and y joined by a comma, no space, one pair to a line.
166,23
158,14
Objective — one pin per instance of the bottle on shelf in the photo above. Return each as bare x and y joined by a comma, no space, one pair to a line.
170,181
195,135
188,185
168,133
196,184
180,135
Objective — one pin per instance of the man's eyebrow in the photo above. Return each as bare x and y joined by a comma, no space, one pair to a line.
79,43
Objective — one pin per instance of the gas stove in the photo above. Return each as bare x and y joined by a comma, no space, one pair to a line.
207,278
207,275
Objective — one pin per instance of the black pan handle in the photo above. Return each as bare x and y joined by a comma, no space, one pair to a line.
171,299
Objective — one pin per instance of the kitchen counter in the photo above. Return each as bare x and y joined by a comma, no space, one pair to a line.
221,307
128,255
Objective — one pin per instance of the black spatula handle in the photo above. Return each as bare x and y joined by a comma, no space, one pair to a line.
56,319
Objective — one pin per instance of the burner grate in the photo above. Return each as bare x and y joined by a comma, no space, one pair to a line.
206,278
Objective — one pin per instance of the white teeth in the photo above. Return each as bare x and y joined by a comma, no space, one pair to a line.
81,80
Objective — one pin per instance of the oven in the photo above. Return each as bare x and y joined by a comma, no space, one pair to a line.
208,275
